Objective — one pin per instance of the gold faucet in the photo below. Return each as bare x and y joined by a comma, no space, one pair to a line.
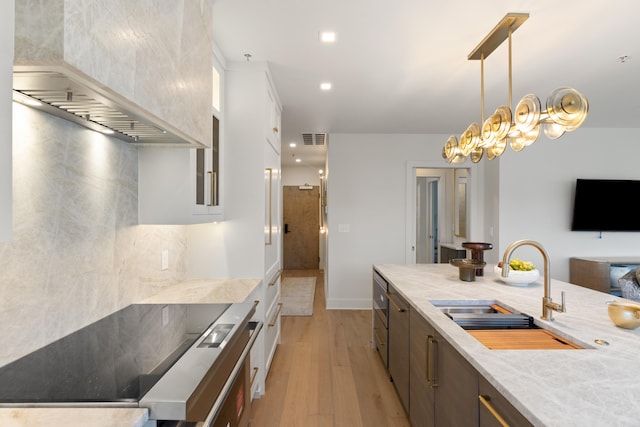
548,306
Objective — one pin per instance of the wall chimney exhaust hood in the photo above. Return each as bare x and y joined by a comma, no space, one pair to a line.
145,74
71,95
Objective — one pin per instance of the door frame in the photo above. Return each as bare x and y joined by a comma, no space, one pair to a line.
445,212
316,226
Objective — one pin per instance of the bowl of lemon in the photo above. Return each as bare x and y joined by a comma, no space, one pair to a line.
521,273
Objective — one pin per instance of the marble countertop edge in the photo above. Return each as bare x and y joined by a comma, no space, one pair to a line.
73,417
205,291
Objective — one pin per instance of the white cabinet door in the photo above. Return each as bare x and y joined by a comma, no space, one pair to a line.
273,115
167,188
206,168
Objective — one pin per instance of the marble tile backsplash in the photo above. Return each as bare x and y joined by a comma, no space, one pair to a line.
77,253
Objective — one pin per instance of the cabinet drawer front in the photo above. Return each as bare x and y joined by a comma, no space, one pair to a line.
272,336
495,409
272,291
380,338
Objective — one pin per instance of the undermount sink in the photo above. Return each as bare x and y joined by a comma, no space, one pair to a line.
501,328
472,309
484,315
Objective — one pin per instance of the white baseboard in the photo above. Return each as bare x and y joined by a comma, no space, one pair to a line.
349,304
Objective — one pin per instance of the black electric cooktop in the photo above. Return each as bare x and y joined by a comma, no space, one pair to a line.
116,359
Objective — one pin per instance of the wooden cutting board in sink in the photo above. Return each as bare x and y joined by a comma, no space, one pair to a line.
522,339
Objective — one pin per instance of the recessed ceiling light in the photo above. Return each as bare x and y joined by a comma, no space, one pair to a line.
325,86
328,36
292,144
298,160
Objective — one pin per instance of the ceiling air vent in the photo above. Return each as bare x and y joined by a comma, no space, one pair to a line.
314,138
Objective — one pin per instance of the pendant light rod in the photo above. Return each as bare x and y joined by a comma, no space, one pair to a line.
499,34
510,74
482,88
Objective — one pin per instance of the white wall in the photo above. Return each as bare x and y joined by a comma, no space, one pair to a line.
536,194
367,193
300,175
526,195
6,82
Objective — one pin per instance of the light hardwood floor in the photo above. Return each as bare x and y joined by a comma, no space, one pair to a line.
325,373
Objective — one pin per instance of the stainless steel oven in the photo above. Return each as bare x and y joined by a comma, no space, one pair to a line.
187,363
209,384
381,316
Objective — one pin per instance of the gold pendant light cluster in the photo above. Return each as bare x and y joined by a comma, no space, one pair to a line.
565,110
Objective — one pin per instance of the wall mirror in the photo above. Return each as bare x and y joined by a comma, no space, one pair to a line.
461,202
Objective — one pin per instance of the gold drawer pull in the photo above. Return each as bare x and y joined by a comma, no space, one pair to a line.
432,361
486,401
253,377
214,188
275,279
379,341
275,317
393,303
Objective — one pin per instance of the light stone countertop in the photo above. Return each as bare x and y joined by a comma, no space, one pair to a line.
195,291
593,387
205,291
73,417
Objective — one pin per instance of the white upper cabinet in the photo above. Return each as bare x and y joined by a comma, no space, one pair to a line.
177,186
273,115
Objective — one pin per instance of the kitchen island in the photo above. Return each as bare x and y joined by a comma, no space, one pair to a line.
595,386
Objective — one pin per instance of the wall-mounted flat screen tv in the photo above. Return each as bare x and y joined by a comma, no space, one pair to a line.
604,205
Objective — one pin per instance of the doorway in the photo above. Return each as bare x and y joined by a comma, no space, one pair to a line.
427,188
301,219
429,216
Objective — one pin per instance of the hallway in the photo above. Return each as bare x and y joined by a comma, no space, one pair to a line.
325,373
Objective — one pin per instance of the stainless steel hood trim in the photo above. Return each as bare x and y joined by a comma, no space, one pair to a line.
71,95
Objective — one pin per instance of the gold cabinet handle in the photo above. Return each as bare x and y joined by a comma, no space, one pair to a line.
486,401
275,279
273,321
275,129
393,303
270,225
432,360
253,376
213,176
379,341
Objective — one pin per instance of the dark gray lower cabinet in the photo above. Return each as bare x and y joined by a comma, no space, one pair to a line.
422,395
495,410
399,345
436,385
444,386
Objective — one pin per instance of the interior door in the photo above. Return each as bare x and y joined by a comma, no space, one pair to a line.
426,219
422,221
301,219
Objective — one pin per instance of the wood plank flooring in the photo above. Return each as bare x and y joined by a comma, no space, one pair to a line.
325,373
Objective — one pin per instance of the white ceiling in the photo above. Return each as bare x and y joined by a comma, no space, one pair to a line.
401,66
